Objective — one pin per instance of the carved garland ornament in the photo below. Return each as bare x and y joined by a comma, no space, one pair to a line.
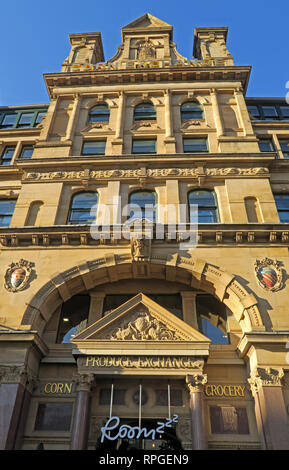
269,274
18,275
145,327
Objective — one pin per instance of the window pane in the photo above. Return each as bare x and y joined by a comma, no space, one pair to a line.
144,111
144,146
84,200
7,155
73,317
270,112
162,398
202,198
195,145
26,152
40,117
207,216
6,211
282,201
53,417
191,110
118,396
142,205
25,120
9,120
254,111
94,148
266,145
99,113
284,112
83,208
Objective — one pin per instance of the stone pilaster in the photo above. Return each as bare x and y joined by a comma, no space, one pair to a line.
271,414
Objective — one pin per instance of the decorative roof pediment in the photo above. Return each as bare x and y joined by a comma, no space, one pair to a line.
147,21
140,319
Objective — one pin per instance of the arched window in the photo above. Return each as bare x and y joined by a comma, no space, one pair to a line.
191,110
253,211
83,208
142,205
145,112
99,113
73,317
212,318
207,209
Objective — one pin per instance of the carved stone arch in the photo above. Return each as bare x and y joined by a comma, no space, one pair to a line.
111,268
144,99
103,100
191,96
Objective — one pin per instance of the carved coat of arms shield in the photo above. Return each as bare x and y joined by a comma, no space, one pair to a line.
269,274
17,275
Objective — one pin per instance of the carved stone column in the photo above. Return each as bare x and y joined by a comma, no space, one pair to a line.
271,414
217,114
82,410
195,383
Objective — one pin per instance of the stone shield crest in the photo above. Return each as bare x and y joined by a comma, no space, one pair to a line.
269,274
18,275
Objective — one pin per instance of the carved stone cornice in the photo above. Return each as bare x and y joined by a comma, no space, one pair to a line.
265,377
196,381
84,382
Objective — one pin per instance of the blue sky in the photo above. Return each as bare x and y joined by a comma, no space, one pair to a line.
34,37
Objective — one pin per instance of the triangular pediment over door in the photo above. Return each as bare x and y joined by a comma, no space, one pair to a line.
141,326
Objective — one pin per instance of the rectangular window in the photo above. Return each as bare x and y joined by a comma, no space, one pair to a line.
25,120
7,155
266,145
284,144
162,398
195,145
9,120
144,146
53,417
6,211
118,396
27,151
282,204
40,117
284,110
94,148
254,111
229,420
270,113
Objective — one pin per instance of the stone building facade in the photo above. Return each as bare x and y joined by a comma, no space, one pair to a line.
112,319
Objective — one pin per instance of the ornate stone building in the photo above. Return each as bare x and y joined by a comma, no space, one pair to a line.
100,321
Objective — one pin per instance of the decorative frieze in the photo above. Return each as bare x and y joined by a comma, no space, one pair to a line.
138,172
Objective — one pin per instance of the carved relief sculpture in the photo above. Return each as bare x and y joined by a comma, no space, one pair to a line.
145,327
146,50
